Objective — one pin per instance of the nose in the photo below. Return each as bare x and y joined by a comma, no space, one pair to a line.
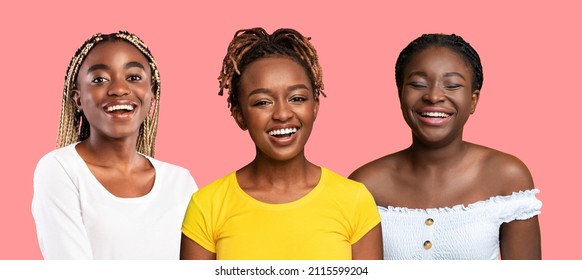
119,87
434,95
282,111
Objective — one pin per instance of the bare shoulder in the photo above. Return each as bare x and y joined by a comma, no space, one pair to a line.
378,175
506,172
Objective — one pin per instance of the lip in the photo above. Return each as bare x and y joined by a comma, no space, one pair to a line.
434,121
283,141
120,114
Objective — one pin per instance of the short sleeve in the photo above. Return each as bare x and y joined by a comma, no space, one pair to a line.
520,205
366,215
197,223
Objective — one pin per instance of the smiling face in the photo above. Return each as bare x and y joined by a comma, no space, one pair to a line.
114,90
437,97
277,106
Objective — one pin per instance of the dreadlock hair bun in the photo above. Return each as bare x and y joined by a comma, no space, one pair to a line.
453,42
249,45
73,126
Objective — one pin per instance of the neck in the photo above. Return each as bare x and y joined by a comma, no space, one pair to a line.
284,174
437,156
109,152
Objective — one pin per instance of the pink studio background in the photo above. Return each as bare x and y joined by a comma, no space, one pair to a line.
528,107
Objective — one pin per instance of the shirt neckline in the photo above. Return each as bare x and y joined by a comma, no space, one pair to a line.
85,169
287,205
463,207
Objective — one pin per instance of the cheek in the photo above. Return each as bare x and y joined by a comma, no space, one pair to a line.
407,111
149,100
307,113
463,102
87,98
149,95
253,118
406,103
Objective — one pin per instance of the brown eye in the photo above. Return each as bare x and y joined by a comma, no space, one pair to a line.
98,80
261,103
298,99
134,78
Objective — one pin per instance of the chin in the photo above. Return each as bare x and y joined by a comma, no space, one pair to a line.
283,156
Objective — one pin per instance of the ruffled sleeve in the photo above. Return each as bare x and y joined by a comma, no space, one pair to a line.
520,205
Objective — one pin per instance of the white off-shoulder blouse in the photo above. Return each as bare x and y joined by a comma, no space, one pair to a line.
453,233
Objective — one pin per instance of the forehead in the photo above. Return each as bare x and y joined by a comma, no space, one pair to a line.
270,70
438,58
114,52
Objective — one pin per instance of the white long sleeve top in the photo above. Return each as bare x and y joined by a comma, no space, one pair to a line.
77,218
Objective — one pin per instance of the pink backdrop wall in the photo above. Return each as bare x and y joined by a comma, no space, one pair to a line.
531,56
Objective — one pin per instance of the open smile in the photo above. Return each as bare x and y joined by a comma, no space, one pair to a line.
121,107
434,117
283,136
283,132
120,111
435,114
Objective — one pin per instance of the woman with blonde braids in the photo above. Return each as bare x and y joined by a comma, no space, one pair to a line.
101,194
280,205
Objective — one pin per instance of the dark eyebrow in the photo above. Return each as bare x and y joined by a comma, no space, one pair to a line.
296,87
267,91
134,64
97,67
105,67
418,73
450,74
260,90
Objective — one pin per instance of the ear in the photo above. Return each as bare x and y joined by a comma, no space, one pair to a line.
239,118
77,99
152,103
475,100
315,108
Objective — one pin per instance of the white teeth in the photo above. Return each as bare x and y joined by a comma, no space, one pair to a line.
282,131
127,107
435,114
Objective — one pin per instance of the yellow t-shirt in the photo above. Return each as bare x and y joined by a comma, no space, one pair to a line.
323,224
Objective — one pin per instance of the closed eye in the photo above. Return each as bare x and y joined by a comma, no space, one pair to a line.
417,85
453,86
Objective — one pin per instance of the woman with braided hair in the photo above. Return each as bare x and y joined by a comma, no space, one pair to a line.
442,197
280,205
101,194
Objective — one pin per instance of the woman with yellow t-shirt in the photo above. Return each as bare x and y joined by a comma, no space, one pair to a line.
280,205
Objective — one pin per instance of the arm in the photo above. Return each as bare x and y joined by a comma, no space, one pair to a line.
197,229
377,179
369,247
56,210
520,240
190,250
